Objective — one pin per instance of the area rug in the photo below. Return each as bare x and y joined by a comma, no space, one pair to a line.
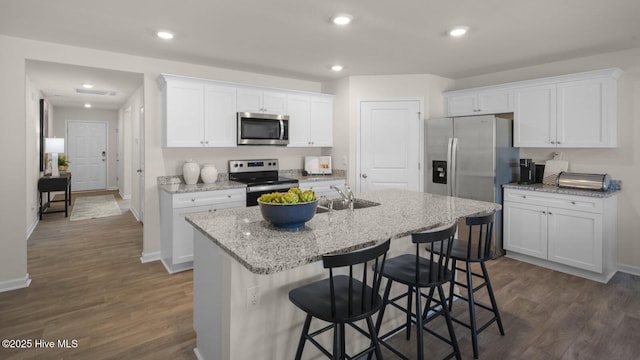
91,207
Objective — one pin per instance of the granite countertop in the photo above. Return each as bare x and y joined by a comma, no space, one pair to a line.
558,190
263,249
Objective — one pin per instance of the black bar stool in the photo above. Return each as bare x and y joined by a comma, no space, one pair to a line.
477,249
419,273
343,299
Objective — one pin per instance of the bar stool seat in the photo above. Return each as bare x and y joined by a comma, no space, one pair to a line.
343,299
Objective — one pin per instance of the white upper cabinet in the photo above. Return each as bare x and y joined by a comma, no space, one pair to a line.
479,102
203,113
198,114
261,101
568,111
534,122
219,116
567,114
183,113
310,120
587,113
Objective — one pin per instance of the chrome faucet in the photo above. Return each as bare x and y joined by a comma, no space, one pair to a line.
349,197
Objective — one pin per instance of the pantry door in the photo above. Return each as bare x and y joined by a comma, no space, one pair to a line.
390,151
87,153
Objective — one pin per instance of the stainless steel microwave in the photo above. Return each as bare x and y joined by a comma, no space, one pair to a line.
262,129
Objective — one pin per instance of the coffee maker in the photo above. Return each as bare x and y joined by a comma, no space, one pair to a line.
527,171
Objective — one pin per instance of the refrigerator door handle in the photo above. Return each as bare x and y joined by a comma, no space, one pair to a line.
449,167
454,167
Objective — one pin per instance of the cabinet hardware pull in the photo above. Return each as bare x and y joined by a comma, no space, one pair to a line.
553,142
544,212
524,196
573,202
557,142
550,213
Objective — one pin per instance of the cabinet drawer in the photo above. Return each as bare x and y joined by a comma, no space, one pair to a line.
209,198
569,202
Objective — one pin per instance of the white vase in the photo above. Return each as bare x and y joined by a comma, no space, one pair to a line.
190,172
209,174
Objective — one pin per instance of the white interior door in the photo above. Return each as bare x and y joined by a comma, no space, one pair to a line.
390,152
87,151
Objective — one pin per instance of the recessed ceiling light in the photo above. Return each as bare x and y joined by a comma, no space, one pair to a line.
337,68
166,35
342,19
87,86
458,31
87,105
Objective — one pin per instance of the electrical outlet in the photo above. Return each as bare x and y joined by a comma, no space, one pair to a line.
253,297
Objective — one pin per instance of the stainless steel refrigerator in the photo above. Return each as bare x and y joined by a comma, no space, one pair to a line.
471,157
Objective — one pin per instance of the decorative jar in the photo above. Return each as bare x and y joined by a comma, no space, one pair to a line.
209,174
190,172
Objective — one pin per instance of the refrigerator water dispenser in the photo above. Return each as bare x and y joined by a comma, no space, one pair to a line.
439,172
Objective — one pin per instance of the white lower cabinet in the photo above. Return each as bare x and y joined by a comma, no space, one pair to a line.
574,232
176,234
323,187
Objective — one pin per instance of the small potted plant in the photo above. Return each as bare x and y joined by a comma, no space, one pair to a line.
63,163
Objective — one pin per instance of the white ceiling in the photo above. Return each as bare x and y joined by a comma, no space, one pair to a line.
295,38
59,82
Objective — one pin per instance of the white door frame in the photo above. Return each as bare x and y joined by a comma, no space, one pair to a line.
357,169
106,142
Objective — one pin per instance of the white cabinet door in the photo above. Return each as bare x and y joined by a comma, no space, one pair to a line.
184,113
321,121
220,116
274,102
299,110
258,100
534,123
525,229
461,105
310,120
575,238
249,100
586,113
495,101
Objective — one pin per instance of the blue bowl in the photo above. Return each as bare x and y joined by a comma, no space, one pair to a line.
288,216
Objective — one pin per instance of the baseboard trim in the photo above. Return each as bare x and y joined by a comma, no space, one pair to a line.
111,188
32,227
15,284
629,269
149,257
135,214
172,269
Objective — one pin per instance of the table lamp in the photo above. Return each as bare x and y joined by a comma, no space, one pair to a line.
54,146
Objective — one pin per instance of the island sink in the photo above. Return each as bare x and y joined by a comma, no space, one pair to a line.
342,205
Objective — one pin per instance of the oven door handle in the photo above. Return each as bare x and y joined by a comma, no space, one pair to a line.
251,189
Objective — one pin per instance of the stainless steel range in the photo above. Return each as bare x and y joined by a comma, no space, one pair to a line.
261,177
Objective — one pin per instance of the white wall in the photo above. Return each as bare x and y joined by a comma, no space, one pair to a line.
622,162
18,130
64,114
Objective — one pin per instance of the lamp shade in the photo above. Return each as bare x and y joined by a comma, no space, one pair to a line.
54,145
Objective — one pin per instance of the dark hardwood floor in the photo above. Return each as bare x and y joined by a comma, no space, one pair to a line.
88,285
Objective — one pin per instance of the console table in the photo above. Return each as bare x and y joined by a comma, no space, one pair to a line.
55,183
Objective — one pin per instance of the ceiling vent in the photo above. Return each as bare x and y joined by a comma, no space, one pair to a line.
97,92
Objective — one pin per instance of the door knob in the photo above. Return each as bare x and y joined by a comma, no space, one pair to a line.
364,176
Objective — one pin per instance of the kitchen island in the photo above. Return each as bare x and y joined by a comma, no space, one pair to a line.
244,267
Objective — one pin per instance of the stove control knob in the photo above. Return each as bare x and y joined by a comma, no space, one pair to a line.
241,165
